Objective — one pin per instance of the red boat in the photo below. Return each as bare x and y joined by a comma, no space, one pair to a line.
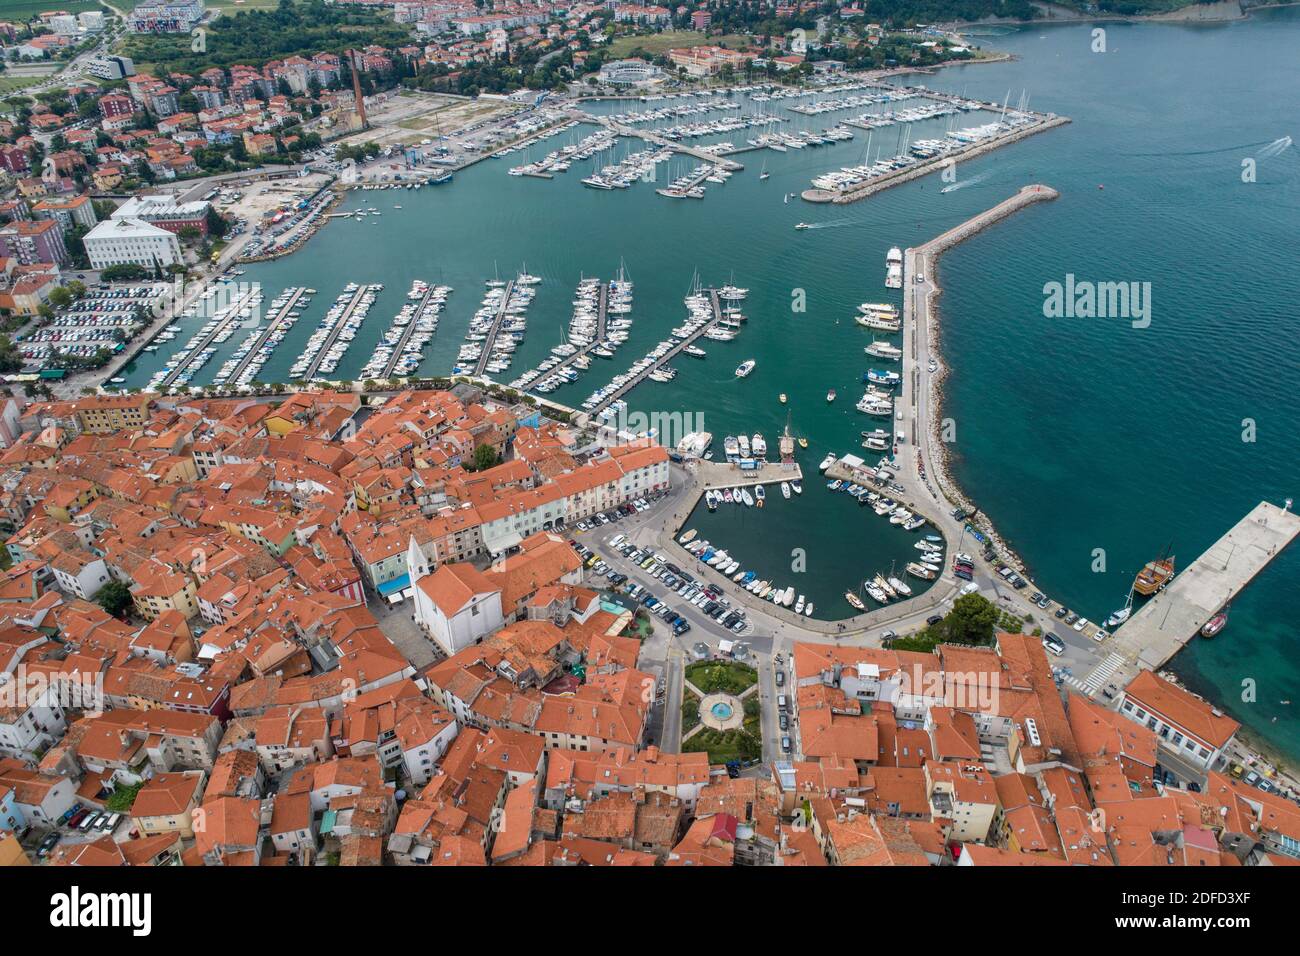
1215,624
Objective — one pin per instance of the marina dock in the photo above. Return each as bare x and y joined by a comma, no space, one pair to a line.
717,474
334,333
391,365
663,360
908,173
231,316
649,136
485,355
271,326
602,317
1164,625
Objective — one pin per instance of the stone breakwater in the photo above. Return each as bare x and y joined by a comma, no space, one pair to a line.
929,257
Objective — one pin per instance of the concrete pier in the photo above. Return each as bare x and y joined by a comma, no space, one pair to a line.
897,178
1165,624
664,360
333,337
486,354
652,138
723,474
232,316
391,365
271,326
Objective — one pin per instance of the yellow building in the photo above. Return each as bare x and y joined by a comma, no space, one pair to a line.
104,414
166,803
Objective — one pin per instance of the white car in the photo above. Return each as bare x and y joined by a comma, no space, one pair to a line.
1080,624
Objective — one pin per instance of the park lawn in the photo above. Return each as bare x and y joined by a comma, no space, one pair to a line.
727,676
656,43
725,746
12,84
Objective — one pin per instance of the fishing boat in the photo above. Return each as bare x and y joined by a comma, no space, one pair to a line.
745,367
855,601
687,537
1154,576
785,489
1215,624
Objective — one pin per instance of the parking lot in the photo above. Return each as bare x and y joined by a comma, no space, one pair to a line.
80,824
102,319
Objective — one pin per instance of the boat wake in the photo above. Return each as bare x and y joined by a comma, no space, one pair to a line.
1274,148
962,184
834,223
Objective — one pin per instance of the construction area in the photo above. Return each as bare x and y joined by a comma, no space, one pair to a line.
412,117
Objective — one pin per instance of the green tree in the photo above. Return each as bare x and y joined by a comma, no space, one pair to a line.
115,598
971,620
485,457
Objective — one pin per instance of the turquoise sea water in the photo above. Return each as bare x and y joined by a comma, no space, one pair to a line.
1073,434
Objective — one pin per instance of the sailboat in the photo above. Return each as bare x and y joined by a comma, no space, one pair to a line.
1155,575
763,173
1122,615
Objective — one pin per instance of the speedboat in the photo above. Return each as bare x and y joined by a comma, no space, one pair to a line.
783,398
802,225
760,495
785,489
827,462
1215,624
747,498
687,537
796,486
745,367
830,396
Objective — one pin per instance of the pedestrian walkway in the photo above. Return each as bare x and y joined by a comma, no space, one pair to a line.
1099,676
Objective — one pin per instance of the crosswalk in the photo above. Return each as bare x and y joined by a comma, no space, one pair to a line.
1099,675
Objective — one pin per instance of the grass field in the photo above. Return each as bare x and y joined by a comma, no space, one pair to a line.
657,43
11,84
228,7
23,9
